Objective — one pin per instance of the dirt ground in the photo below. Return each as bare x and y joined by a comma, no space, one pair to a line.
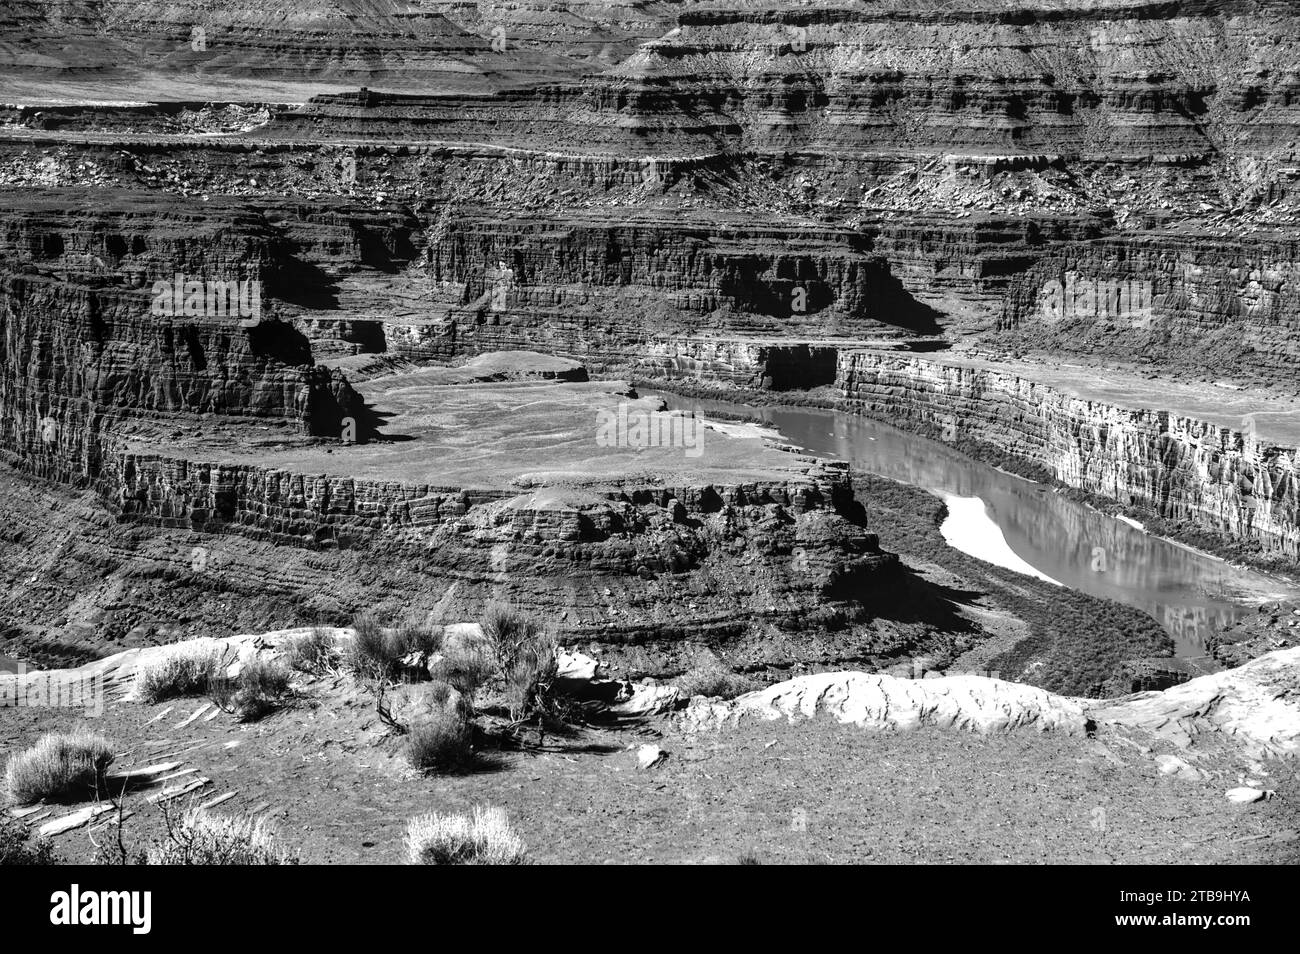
330,778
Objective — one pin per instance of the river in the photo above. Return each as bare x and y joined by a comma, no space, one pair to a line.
1025,526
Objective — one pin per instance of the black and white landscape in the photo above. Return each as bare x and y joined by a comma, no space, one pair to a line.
650,431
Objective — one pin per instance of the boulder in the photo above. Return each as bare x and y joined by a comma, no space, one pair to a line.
650,755
1178,768
576,668
647,700
1245,796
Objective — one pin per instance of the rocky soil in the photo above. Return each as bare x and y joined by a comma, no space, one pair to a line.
1063,230
876,772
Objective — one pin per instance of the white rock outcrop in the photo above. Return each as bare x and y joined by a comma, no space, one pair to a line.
876,701
1245,796
650,755
1257,704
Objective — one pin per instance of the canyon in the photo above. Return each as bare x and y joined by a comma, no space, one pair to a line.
1058,236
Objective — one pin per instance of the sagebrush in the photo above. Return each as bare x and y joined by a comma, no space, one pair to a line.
442,741
177,676
258,690
527,659
714,680
200,837
60,765
481,838
377,651
312,652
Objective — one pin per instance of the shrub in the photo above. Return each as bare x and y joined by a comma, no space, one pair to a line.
465,668
310,653
377,652
59,765
367,653
200,838
526,659
485,838
414,636
181,674
440,742
714,680
446,696
17,847
255,692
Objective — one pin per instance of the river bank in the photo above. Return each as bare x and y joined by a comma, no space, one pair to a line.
1194,596
746,404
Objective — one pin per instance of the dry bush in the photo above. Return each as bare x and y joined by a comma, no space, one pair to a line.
413,635
526,658
441,742
201,838
181,674
377,652
485,838
367,653
465,668
310,653
59,765
257,691
443,695
714,680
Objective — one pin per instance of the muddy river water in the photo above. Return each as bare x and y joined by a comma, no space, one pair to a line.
1026,527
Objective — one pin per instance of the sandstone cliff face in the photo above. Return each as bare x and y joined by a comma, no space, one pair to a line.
640,530
84,348
1181,301
743,197
169,542
738,279
1178,467
354,40
967,77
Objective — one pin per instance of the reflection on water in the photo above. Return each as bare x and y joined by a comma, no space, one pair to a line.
1192,595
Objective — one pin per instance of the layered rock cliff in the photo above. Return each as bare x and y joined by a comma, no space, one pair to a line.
341,40
1179,467
1191,302
746,194
88,343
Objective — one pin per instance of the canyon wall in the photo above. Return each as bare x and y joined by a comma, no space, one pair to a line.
740,193
1180,468
362,41
1176,301
85,348
1075,79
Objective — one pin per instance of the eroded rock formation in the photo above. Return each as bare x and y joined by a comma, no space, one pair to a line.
1230,478
1253,707
756,197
